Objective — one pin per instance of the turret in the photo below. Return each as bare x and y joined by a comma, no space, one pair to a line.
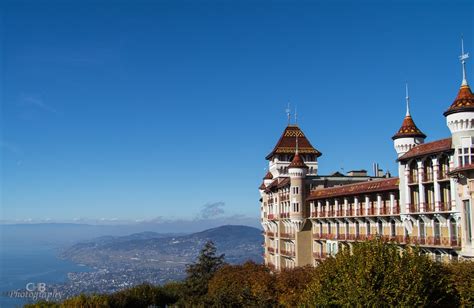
409,135
297,171
460,115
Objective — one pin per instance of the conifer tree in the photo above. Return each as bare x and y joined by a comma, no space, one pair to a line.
200,273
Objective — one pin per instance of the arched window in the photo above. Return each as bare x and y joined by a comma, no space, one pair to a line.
357,230
380,227
368,227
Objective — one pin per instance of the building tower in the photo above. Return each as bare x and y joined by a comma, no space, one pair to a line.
460,121
297,171
408,136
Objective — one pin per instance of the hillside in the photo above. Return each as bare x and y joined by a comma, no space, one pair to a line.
151,250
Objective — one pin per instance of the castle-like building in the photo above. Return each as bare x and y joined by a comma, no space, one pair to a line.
307,217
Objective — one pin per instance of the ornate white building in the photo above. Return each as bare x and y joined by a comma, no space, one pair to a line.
307,217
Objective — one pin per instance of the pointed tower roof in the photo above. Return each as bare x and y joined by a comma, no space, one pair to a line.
465,99
268,176
408,128
297,162
287,143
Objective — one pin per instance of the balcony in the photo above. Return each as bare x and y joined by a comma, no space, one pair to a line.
319,255
271,234
350,237
287,253
287,235
413,179
444,206
428,177
429,207
443,175
414,208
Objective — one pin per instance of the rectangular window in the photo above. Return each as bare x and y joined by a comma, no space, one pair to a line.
467,215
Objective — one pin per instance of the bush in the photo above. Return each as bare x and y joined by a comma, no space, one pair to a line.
462,279
247,285
379,274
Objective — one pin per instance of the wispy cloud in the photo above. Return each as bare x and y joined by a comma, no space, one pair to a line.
34,101
211,210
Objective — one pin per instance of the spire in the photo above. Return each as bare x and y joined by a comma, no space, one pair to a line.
464,101
288,113
297,162
407,98
463,57
408,128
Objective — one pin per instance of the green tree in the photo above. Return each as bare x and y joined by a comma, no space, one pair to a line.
379,274
291,283
462,279
200,273
247,285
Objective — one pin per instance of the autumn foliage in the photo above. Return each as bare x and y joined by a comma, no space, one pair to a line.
372,273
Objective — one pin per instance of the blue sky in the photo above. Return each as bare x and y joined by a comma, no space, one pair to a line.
139,109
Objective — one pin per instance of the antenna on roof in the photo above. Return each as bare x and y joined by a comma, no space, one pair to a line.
463,57
296,116
288,113
407,98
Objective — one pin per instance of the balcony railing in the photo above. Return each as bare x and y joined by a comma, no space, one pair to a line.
270,234
319,255
287,235
287,253
413,178
444,206
443,175
429,207
428,177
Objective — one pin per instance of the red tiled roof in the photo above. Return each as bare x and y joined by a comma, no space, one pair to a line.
408,129
463,102
287,143
297,162
355,189
268,176
262,187
278,183
428,148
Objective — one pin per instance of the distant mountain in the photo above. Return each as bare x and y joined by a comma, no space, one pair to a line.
149,250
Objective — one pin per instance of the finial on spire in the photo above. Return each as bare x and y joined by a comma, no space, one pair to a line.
407,98
288,113
463,57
